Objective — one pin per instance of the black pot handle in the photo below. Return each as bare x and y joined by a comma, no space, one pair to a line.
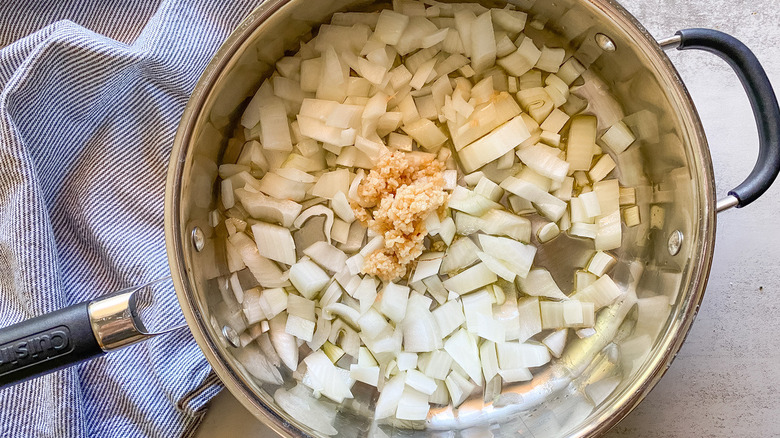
46,343
68,336
762,99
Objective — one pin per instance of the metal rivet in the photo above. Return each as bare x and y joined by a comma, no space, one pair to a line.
198,239
605,43
675,242
231,336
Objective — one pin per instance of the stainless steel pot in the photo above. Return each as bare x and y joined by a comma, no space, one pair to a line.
664,262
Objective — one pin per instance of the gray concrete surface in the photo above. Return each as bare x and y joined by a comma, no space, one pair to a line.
725,380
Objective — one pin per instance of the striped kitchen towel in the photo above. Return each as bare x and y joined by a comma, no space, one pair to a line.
91,92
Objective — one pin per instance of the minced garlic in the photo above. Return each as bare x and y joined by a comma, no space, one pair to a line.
394,200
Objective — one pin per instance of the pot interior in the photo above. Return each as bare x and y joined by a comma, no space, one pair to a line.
599,379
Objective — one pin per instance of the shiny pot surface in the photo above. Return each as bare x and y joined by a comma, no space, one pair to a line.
666,259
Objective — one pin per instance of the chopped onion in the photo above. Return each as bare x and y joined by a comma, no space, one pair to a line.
308,278
327,256
266,272
393,302
459,388
462,347
472,278
449,316
492,146
387,402
515,255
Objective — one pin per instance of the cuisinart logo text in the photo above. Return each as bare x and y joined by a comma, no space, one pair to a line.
35,348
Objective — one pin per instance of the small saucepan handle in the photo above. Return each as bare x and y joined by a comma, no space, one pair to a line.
762,99
71,335
46,343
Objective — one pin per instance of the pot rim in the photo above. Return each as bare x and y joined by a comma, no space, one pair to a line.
642,383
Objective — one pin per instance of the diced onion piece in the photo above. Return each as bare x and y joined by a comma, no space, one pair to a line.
372,323
465,200
316,210
483,43
609,232
631,216
488,189
393,302
472,278
485,118
474,305
265,271
419,381
459,388
550,206
268,208
529,317
515,375
556,342
327,256
413,405
548,232
501,222
555,121
387,403
300,317
276,128
618,137
600,263
284,343
324,377
511,21
544,160
447,230
497,266
462,347
280,187
435,364
539,283
490,329
331,183
570,70
460,254
583,279
449,316
537,102
489,359
308,278
550,59
420,332
366,374
580,229
425,133
522,60
390,26
274,242
492,146
513,355
590,204
406,361
582,137
421,75
515,255
428,264
601,293
602,168
553,315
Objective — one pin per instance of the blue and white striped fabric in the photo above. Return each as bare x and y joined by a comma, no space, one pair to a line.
91,92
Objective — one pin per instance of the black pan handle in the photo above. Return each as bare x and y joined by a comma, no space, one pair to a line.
762,99
69,336
46,343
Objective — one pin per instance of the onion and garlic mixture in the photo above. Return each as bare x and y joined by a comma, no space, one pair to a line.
384,200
